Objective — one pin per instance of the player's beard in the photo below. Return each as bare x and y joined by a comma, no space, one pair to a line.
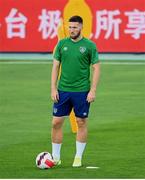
76,36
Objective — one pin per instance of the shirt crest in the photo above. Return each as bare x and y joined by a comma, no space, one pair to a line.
65,48
82,49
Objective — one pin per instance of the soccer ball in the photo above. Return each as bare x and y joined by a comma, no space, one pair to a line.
44,160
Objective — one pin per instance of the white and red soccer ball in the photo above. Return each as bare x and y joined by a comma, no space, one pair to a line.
44,160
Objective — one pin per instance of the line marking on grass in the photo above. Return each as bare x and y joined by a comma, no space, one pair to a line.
92,167
123,63
26,62
50,62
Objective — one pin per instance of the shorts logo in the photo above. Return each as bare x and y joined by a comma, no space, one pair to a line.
84,114
55,110
82,49
65,48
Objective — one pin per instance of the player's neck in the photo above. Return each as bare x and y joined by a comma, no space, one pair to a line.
77,39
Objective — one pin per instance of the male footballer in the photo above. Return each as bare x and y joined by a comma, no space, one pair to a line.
73,89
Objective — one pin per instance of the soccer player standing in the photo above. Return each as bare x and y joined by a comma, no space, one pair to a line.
73,89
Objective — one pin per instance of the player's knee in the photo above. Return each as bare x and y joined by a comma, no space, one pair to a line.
57,123
81,123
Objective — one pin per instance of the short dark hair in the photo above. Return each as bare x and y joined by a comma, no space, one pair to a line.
76,19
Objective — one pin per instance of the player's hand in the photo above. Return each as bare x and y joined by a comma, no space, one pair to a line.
91,96
54,95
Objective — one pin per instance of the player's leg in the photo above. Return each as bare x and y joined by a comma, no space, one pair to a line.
82,129
57,123
57,136
81,110
60,109
81,139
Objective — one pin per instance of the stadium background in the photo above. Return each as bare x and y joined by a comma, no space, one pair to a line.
28,34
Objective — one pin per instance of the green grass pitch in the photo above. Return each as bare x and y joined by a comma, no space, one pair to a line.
116,140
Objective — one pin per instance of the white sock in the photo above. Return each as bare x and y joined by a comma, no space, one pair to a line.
80,147
56,151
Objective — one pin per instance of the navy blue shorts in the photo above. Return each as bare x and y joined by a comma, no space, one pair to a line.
68,100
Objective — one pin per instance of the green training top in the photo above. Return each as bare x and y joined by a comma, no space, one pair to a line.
75,59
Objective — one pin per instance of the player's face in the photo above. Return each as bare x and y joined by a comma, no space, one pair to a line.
75,29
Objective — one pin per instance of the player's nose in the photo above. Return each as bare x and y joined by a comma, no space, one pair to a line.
71,29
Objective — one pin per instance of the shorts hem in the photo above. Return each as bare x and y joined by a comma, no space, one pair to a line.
60,115
83,117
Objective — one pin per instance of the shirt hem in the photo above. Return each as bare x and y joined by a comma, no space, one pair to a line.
72,90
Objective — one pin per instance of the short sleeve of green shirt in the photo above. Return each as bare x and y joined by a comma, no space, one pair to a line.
94,54
57,51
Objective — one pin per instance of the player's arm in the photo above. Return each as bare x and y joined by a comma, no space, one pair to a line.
95,79
54,78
